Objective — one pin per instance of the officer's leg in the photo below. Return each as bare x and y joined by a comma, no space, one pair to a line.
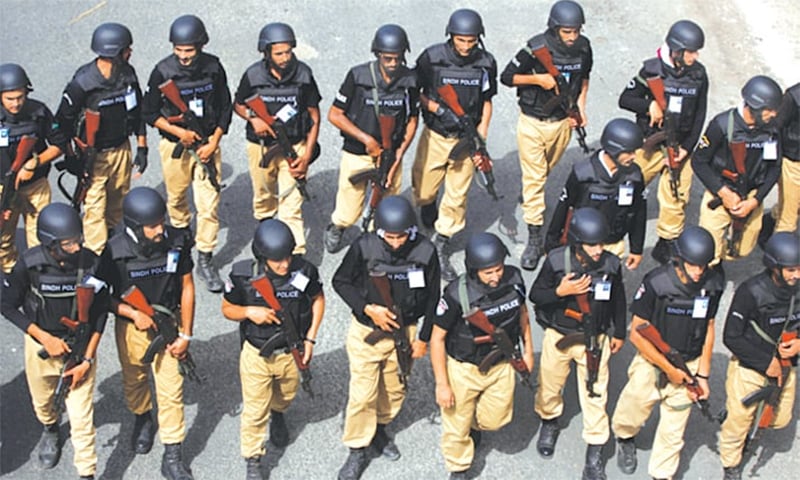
453,209
364,363
169,395
595,418
553,370
541,146
284,388
636,400
206,200
752,228
739,383
430,164
716,222
119,183
8,249
290,206
177,178
788,197
672,211
350,198
256,375
786,401
675,409
391,392
95,230
42,377
496,402
131,346
458,449
265,191
38,196
80,409
650,165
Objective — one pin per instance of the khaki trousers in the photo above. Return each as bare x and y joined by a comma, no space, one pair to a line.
786,210
350,198
671,211
111,181
36,195
131,346
179,175
267,384
718,221
482,402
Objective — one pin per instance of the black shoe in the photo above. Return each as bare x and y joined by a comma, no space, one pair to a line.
733,473
172,466
384,445
428,214
533,250
49,447
333,238
208,272
355,465
143,433
278,433
254,469
662,251
458,475
443,251
475,435
594,468
86,477
548,435
626,455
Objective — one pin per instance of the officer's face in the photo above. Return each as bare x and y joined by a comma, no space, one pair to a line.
155,232
569,35
13,100
690,56
395,240
389,62
594,251
625,159
768,115
491,276
126,54
464,44
71,245
280,55
279,267
694,272
791,275
185,53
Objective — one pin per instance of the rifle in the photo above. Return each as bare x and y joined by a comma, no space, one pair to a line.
650,333
505,347
188,118
88,153
288,330
472,142
588,337
23,153
402,346
564,98
739,180
285,147
668,134
167,326
378,178
563,239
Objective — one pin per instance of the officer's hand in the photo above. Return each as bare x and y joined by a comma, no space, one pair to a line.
140,161
774,369
6,215
444,396
394,169
78,373
189,137
570,285
678,377
789,349
616,345
25,173
633,261
382,317
178,348
547,82
206,152
308,352
54,346
529,362
418,349
656,114
72,164
299,167
743,208
706,389
262,315
373,147
262,128
482,162
143,321
730,199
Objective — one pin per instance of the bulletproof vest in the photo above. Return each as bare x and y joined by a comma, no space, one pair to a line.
501,305
736,130
468,81
682,92
197,84
791,130
13,127
674,313
416,256
150,273
563,261
598,192
52,288
393,99
114,98
277,94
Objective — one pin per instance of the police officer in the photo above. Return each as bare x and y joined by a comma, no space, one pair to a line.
680,300
685,84
203,86
740,194
270,379
43,283
289,91
29,191
462,62
581,268
157,259
385,86
785,212
398,251
763,307
108,85
611,182
471,400
544,129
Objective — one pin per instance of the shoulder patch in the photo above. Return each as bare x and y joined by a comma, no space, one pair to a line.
441,307
704,143
639,292
228,285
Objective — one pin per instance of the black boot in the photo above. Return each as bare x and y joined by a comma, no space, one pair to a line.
458,475
548,435
428,215
594,468
733,473
333,238
355,465
172,465
384,445
86,477
442,245
208,272
278,433
143,432
662,251
254,469
49,447
475,435
533,250
626,455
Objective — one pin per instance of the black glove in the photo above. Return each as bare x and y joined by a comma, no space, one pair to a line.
448,118
140,160
72,164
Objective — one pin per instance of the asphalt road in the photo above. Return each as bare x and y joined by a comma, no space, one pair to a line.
51,39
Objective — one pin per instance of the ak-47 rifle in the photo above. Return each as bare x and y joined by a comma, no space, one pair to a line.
563,239
402,346
378,177
739,181
167,331
256,104
23,153
188,118
589,339
505,347
565,97
88,154
669,134
471,142
288,330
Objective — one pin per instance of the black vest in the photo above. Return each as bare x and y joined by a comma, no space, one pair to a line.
791,130
29,121
754,138
687,86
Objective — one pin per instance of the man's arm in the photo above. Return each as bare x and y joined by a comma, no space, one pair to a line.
559,220
527,338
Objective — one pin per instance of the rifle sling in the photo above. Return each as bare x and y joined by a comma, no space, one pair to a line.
764,336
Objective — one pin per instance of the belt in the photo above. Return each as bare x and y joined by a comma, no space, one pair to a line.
550,119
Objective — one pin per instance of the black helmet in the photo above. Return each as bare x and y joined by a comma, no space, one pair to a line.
685,35
587,226
696,246
273,33
390,38
565,13
782,250
142,207
273,240
621,135
484,250
188,30
394,214
110,39
56,222
465,22
762,92
13,77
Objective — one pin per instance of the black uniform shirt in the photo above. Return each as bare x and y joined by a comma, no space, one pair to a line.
644,301
36,120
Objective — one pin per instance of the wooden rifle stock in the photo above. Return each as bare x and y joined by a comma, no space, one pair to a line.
78,340
134,297
498,336
564,238
449,95
649,332
23,153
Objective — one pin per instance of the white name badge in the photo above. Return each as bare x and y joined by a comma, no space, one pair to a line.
299,281
770,151
700,309
172,260
485,84
416,279
95,282
130,100
625,198
286,113
675,104
196,105
3,137
602,291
